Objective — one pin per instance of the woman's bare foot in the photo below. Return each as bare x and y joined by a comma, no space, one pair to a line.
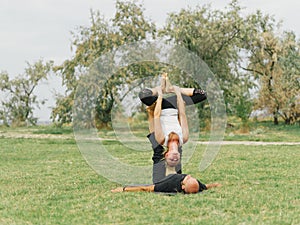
169,87
159,91
163,82
176,89
164,75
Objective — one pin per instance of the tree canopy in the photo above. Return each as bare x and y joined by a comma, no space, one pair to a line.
242,51
20,100
254,61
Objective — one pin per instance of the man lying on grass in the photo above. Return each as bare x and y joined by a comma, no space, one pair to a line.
173,183
165,177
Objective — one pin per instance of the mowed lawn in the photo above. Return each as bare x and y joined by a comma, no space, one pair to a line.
47,181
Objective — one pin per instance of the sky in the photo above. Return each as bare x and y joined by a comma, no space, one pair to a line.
41,29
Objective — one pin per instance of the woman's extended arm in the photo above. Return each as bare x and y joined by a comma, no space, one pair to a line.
158,132
182,115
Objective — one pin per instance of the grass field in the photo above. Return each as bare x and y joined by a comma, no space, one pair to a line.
47,181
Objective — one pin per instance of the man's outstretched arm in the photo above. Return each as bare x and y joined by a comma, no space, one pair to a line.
213,185
145,188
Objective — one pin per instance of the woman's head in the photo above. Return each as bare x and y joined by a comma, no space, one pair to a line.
172,154
172,157
173,141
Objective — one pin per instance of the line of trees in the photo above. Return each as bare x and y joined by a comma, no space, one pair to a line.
248,54
17,109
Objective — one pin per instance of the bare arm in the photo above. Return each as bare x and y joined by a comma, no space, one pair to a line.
147,188
158,132
209,186
182,115
150,110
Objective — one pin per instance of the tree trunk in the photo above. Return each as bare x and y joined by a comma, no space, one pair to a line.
275,116
287,121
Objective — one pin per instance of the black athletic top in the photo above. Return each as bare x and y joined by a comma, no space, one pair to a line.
172,183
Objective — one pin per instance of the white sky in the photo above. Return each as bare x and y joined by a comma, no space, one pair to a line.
40,29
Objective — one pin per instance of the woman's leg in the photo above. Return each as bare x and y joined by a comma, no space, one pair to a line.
149,96
197,96
190,95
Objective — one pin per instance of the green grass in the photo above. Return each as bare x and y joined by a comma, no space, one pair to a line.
52,130
36,130
47,181
265,131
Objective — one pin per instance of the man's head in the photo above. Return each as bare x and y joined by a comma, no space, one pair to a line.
190,185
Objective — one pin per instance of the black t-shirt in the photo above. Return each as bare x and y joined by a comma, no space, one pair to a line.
171,183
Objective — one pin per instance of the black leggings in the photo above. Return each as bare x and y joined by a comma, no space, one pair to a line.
147,97
159,164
